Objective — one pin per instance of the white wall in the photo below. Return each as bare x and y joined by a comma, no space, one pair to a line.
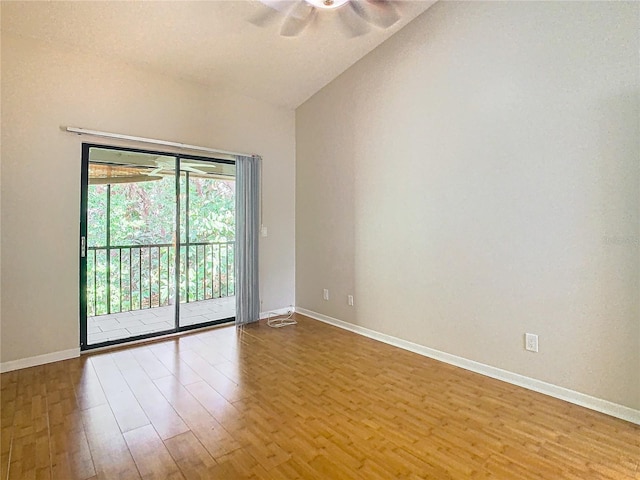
477,177
0,201
44,88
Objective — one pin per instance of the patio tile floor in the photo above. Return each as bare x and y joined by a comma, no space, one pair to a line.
139,322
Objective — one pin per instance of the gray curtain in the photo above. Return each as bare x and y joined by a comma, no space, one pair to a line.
248,172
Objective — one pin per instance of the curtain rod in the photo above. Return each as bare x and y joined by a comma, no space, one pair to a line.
120,136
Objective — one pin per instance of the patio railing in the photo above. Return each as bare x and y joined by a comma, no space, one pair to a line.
133,277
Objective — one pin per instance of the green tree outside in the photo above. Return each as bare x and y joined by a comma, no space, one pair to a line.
142,215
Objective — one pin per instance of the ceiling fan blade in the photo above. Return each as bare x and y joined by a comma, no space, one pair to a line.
282,6
265,17
352,22
382,13
298,17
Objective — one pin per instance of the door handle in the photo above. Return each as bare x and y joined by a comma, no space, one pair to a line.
83,246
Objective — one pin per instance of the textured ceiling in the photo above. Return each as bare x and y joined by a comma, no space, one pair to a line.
210,42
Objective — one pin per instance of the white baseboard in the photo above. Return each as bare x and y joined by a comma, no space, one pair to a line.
571,396
39,360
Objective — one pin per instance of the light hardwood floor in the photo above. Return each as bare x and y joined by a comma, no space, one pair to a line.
308,401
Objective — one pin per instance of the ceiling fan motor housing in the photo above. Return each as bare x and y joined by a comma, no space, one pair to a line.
327,4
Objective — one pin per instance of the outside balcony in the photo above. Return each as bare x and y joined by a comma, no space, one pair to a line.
160,245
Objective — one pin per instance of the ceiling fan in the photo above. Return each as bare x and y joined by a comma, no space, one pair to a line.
355,16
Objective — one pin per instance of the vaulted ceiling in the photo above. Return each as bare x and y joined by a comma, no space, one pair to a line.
209,42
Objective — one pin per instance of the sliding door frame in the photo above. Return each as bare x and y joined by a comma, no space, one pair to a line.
84,246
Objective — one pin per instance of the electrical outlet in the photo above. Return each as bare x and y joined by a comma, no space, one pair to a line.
350,300
325,294
531,342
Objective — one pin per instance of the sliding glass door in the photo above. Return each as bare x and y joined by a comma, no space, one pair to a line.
157,236
207,237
